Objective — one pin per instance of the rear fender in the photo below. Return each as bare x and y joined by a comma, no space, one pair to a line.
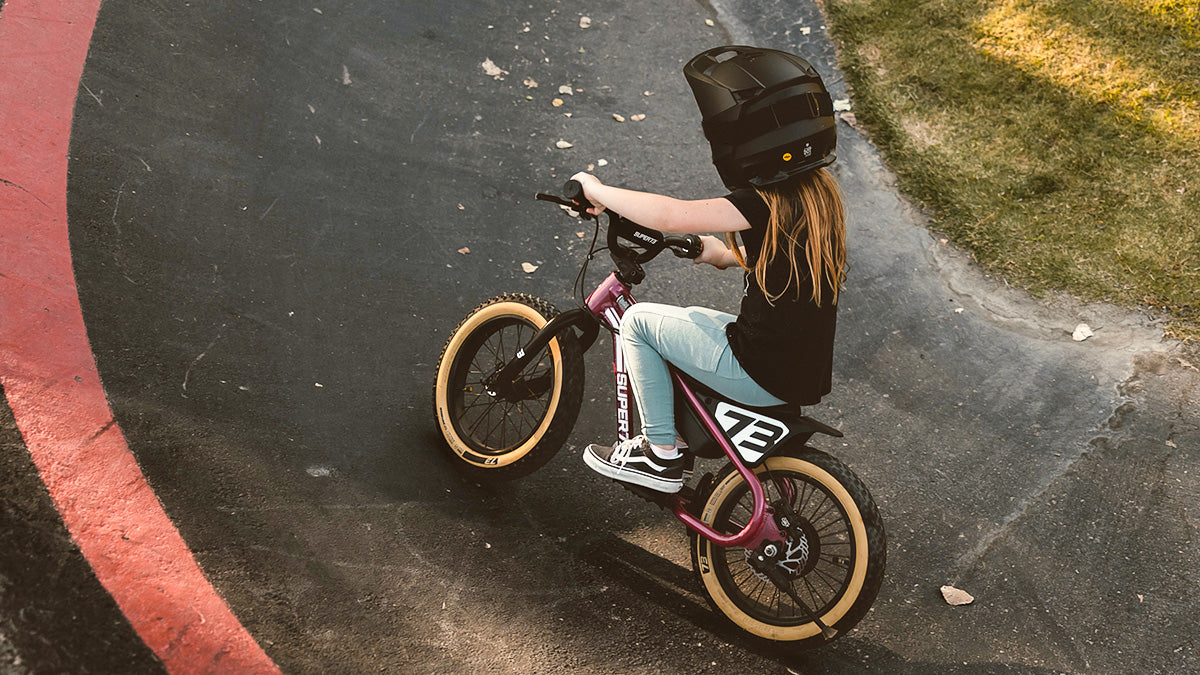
755,433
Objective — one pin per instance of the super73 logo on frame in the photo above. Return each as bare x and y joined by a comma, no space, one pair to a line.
752,434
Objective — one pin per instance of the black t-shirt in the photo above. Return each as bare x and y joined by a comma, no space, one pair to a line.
787,347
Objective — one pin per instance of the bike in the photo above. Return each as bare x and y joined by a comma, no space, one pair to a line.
785,539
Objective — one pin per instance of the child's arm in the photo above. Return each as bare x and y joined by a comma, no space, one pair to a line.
661,212
717,253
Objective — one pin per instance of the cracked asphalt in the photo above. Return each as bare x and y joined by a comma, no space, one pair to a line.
266,207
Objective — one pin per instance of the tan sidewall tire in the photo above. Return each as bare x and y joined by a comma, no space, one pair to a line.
464,331
858,575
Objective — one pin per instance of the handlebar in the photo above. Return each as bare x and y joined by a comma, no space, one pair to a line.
643,243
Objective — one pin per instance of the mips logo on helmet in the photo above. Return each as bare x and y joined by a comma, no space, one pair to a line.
787,156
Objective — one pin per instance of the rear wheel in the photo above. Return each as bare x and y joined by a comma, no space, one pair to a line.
497,437
835,548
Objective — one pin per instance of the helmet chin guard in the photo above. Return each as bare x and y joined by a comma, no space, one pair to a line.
766,114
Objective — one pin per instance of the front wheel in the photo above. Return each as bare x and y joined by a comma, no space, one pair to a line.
498,437
836,552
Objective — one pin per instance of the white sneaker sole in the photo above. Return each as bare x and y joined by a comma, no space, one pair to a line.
629,476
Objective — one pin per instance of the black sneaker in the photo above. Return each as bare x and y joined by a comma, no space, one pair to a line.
633,461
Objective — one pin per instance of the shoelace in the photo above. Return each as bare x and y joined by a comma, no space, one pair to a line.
624,449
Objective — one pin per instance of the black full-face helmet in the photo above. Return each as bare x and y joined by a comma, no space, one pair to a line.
766,114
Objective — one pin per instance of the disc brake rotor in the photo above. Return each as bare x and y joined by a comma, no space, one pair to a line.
797,557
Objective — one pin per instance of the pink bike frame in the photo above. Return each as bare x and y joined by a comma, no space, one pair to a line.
608,303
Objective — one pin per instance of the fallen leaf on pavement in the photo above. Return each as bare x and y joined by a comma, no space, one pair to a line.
956,597
493,70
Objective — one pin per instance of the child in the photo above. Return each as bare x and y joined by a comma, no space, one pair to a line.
769,120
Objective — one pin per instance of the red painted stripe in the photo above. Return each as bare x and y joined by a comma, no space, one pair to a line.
49,374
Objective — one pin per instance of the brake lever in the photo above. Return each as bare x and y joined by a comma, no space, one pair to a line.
553,198
575,208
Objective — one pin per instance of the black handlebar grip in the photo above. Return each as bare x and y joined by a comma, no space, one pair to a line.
573,191
685,245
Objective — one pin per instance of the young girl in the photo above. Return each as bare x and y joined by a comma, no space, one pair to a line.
770,122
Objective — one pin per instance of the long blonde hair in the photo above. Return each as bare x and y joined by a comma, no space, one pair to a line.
806,214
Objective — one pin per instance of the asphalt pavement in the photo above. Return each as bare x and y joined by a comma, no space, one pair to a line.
277,213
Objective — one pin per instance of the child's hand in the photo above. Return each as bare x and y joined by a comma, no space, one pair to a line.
590,183
714,252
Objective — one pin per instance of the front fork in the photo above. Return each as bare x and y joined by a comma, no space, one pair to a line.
504,382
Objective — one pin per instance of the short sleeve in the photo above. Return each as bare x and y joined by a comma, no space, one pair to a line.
751,205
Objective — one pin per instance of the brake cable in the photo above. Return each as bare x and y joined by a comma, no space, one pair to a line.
580,278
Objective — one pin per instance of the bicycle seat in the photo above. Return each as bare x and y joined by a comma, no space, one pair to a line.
783,410
776,424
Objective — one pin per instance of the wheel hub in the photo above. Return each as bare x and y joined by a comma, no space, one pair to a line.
797,554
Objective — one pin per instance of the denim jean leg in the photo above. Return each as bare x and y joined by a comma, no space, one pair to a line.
692,339
648,374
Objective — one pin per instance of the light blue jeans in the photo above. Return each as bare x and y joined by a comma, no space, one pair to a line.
693,340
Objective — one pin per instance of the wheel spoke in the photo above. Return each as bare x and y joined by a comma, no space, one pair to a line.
496,350
478,420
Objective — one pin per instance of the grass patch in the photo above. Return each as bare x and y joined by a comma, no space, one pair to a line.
1058,140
